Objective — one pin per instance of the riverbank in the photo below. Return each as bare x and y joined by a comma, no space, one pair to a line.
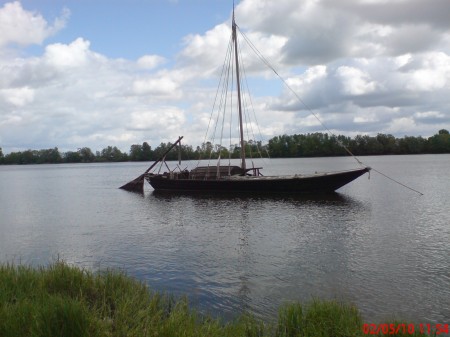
62,300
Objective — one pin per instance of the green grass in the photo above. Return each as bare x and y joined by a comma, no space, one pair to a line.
61,300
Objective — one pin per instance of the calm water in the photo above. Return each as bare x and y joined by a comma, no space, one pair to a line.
375,243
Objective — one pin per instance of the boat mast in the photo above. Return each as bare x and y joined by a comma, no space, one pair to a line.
243,166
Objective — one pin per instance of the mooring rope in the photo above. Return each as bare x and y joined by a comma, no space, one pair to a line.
384,175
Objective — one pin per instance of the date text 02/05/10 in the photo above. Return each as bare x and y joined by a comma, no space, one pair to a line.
392,328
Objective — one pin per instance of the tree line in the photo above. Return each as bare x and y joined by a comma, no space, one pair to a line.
323,145
285,146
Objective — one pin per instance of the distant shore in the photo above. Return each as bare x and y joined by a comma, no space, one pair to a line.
62,300
293,146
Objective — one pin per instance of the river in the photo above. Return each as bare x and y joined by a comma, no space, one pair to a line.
375,243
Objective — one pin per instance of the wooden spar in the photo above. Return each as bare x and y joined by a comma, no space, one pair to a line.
137,185
179,153
243,166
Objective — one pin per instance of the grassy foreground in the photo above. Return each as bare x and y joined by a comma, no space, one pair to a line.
61,300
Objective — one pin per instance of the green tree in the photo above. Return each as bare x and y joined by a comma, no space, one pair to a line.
312,145
279,146
415,145
112,154
388,142
187,152
28,157
146,152
439,143
48,156
161,149
135,153
86,154
72,157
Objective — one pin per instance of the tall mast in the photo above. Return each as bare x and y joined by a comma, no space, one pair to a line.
243,166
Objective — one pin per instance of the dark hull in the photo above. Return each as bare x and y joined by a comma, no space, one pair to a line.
316,183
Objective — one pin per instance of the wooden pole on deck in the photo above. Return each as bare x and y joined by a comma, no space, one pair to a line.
137,185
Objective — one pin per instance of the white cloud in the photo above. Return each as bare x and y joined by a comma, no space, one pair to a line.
18,96
365,118
399,124
203,54
150,61
320,31
432,74
161,85
362,66
73,55
22,27
168,118
355,81
429,114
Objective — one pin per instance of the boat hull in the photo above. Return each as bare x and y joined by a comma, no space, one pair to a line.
301,184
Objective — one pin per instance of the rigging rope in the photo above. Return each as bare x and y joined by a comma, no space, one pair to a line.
267,63
254,116
231,122
220,106
225,69
246,112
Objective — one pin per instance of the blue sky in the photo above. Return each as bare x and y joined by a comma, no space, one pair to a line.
77,73
130,29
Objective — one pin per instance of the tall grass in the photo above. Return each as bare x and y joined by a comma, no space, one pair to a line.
61,300
319,319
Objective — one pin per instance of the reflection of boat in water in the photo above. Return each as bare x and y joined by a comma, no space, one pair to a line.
294,198
238,179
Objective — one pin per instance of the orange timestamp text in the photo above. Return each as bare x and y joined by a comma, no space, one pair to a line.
396,328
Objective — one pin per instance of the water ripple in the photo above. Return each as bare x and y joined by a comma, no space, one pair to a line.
371,244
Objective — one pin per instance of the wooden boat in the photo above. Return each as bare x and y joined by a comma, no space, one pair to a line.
240,179
242,182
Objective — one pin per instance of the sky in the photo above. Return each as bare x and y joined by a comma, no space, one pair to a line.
83,73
